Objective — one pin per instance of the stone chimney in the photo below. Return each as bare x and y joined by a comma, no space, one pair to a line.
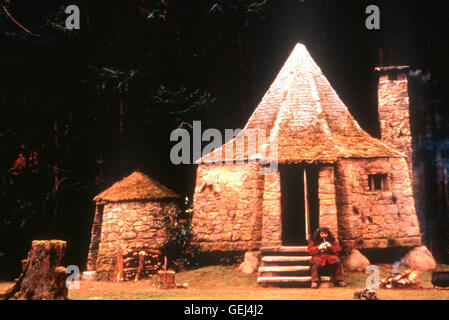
394,109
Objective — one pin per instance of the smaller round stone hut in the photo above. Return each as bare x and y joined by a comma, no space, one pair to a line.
128,214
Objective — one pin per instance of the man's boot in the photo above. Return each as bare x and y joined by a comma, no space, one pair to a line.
340,284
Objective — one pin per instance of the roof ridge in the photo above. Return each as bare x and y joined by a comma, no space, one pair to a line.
311,77
274,130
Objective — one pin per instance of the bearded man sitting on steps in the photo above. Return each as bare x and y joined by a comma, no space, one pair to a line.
324,250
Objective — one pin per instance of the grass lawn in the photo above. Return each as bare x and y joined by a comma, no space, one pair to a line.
224,283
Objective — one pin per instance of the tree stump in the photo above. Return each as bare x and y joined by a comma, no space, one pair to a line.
166,279
43,276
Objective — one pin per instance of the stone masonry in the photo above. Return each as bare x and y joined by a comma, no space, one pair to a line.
272,215
327,199
236,208
394,109
228,207
376,218
129,224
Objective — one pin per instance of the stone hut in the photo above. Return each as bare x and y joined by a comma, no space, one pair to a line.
126,215
330,172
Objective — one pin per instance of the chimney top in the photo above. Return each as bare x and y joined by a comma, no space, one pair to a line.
393,73
392,69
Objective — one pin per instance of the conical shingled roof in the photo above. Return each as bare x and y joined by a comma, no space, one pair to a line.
310,122
137,186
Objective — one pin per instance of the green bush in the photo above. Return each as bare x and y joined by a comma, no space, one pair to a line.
178,248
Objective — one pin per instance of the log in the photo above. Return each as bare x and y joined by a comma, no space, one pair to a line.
140,267
169,277
43,276
306,206
119,266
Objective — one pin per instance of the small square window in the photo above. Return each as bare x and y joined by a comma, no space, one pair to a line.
377,181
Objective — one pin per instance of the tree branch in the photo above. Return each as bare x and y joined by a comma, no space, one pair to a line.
14,20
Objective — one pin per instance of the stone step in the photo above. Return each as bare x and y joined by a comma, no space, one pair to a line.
289,279
283,249
283,268
285,258
282,279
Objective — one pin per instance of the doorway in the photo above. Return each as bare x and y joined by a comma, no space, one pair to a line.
299,203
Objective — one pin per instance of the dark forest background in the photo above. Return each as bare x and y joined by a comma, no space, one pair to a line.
80,109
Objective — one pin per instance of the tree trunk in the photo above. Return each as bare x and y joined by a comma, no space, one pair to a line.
43,277
56,166
122,123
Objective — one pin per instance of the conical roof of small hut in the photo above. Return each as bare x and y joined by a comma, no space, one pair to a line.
307,118
136,187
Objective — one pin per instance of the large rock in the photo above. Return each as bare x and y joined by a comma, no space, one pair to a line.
356,261
419,258
89,275
251,262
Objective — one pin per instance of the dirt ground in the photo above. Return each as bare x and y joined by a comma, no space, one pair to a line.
224,283
145,290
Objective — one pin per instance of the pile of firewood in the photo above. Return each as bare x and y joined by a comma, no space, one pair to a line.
407,279
138,263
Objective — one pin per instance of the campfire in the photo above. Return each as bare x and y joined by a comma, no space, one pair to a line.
407,279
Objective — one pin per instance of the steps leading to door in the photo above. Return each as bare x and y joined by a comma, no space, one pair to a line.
286,259
285,265
284,268
289,279
290,249
282,279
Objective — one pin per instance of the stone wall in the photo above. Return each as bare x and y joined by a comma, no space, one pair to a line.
394,113
129,224
397,131
327,199
378,218
272,214
95,239
227,207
